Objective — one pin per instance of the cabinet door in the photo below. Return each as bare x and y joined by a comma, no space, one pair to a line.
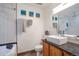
66,53
55,51
45,49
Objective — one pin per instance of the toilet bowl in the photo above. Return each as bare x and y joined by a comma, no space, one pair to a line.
38,49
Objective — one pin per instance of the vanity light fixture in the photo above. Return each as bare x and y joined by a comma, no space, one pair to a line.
62,7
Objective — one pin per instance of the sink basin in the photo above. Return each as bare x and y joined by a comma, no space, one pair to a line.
70,36
67,35
57,39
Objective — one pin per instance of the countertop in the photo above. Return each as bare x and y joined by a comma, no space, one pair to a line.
69,47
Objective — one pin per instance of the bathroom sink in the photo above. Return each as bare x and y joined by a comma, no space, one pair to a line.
67,35
71,36
57,39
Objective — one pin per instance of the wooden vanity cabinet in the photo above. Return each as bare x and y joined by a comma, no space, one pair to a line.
66,53
51,50
55,51
45,49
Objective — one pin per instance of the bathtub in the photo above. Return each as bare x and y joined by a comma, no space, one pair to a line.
8,52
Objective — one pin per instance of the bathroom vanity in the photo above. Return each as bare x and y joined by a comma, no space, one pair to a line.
67,49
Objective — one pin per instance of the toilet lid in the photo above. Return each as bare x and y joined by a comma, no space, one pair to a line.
38,46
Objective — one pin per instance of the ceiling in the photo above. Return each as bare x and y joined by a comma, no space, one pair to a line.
44,5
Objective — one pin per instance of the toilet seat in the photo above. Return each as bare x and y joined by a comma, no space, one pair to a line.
38,48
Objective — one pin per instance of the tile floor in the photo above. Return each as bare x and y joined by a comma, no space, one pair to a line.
30,54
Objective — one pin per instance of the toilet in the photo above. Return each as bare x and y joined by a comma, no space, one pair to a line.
38,49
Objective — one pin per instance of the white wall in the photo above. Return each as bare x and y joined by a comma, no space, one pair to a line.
48,21
48,13
33,35
7,23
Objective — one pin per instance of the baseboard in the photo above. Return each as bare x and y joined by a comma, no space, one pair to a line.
31,51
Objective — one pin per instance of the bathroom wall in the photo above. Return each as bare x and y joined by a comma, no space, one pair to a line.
32,36
7,23
48,20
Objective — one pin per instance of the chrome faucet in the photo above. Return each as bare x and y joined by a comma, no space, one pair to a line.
61,32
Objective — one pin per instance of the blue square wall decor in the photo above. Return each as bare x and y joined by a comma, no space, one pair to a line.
31,14
38,15
23,12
